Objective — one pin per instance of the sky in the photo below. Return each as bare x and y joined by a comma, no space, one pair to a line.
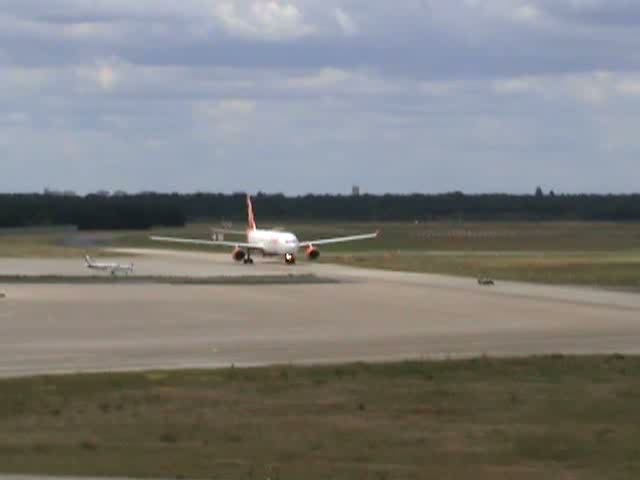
313,96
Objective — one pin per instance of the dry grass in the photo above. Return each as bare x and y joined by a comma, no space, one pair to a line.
555,417
39,245
593,269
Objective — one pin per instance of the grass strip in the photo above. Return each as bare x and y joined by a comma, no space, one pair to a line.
527,418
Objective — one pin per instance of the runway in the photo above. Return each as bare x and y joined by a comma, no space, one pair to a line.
367,316
152,263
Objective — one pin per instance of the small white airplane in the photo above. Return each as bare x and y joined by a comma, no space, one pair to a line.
271,243
113,268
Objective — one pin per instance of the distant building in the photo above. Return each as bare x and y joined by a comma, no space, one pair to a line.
355,191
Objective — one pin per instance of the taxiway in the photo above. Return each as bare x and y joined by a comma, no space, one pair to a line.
367,316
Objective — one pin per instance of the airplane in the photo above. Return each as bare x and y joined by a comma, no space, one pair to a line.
271,243
113,268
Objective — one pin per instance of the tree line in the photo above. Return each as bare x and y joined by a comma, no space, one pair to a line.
91,212
146,210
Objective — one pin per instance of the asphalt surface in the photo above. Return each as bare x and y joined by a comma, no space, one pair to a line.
368,316
152,263
44,477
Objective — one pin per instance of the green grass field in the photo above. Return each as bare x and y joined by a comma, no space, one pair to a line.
37,245
596,254
553,417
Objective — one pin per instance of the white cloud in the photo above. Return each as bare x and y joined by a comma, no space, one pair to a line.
630,87
105,75
437,86
92,30
514,85
264,19
337,81
346,23
521,11
325,78
235,106
591,88
526,13
594,89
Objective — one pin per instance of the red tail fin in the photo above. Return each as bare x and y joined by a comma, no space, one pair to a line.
250,214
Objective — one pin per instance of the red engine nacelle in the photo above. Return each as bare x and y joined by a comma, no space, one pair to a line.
312,253
238,255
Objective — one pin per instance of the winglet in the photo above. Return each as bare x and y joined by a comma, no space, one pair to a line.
251,216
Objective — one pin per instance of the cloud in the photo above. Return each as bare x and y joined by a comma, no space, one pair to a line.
346,23
235,106
440,89
92,30
17,81
526,13
263,19
106,77
593,88
521,11
629,87
325,78
603,12
534,89
104,74
225,122
515,85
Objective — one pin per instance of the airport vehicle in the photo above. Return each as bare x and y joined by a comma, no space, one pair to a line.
485,281
113,268
275,243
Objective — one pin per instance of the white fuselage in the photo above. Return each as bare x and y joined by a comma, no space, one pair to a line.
108,267
105,266
274,242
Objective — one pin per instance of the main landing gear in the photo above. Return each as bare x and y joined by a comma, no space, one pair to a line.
248,260
289,259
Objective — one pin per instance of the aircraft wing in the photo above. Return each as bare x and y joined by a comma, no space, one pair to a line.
327,241
212,243
228,232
